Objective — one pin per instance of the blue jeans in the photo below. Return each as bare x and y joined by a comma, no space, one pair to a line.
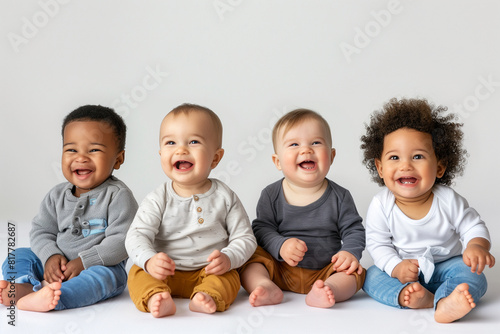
91,286
447,275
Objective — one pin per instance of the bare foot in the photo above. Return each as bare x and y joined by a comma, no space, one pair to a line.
455,306
203,303
261,295
161,305
3,286
9,293
321,295
415,296
43,300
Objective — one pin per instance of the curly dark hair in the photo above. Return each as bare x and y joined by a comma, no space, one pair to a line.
100,114
420,115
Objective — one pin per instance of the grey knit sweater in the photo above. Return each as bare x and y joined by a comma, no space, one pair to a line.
92,226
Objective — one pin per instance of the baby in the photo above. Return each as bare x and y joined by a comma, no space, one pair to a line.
308,230
416,225
77,256
192,232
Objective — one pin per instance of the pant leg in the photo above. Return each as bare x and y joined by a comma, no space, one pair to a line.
382,287
262,257
279,272
308,277
93,285
182,283
449,274
142,286
24,267
222,288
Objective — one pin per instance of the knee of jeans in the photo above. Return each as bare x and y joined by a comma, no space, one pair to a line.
373,271
477,282
481,283
17,256
463,270
371,274
115,275
20,253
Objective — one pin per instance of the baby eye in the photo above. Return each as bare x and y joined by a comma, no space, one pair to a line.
70,150
95,150
170,142
393,157
418,157
317,142
194,142
294,144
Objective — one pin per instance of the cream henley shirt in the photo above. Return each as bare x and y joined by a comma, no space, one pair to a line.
189,229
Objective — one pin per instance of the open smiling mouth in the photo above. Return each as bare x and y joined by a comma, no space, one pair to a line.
82,171
183,165
307,164
407,180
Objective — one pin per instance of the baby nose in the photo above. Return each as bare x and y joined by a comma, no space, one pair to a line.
181,149
406,165
306,149
82,157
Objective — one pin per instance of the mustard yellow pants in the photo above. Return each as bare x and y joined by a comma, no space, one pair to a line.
184,284
295,279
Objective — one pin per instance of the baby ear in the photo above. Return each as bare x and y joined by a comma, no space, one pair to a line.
441,168
120,159
334,152
276,161
217,157
378,164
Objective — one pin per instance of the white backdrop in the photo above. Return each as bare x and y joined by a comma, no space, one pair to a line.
249,61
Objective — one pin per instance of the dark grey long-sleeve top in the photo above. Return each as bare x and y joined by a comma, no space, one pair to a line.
327,226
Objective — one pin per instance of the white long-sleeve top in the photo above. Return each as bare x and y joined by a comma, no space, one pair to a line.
392,237
189,229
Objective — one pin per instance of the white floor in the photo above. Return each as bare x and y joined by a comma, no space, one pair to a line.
361,314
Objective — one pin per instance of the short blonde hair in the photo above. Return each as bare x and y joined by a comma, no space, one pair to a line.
294,117
187,108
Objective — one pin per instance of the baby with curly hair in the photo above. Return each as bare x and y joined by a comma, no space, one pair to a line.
416,225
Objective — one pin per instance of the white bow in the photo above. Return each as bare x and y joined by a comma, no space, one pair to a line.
426,261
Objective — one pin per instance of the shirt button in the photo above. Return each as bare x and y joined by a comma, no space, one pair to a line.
200,220
198,209
196,198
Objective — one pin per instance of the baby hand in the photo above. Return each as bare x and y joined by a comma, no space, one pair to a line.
477,257
160,266
406,271
345,261
219,263
293,250
73,268
54,268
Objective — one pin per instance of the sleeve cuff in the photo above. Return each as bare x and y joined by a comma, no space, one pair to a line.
482,234
234,263
90,258
389,267
47,252
356,252
143,258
